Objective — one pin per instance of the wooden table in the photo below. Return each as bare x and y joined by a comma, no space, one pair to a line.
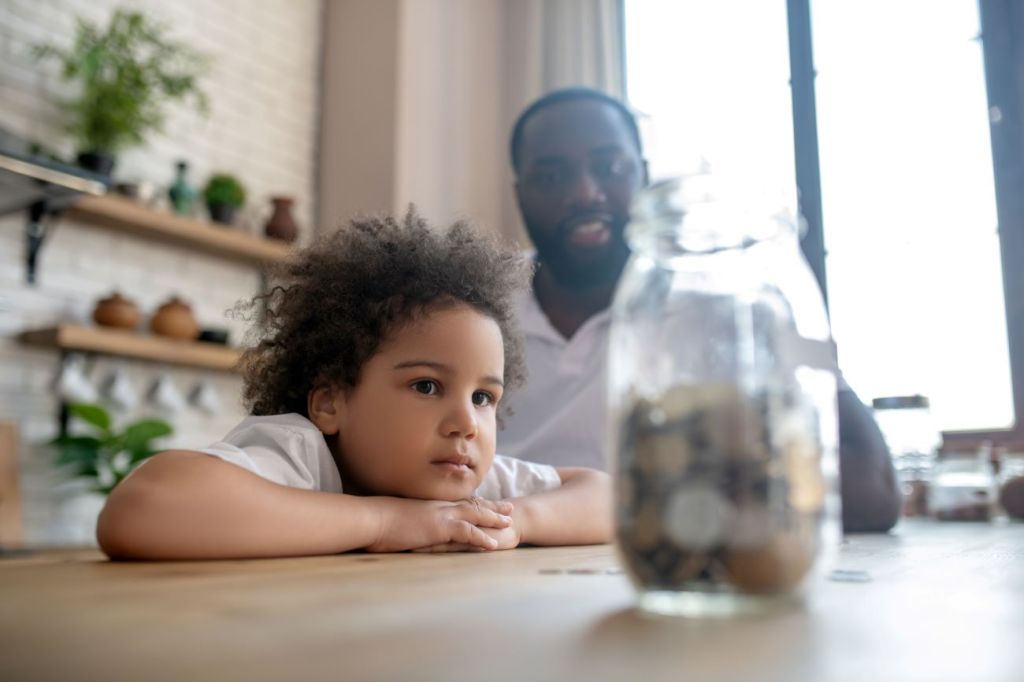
945,602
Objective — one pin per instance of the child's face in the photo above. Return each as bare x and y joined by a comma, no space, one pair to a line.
421,422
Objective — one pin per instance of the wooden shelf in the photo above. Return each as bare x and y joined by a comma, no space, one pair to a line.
126,215
71,337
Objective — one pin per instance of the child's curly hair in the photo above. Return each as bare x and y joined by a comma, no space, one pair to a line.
338,299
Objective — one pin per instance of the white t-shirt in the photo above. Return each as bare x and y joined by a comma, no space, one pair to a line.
560,415
290,450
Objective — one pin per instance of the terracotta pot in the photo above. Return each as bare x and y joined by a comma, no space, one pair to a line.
281,224
175,319
117,311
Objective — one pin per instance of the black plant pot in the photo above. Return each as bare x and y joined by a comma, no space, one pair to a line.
100,163
221,213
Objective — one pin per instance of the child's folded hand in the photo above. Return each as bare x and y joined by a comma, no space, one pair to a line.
421,524
508,537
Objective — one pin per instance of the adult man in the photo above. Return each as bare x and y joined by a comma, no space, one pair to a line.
578,161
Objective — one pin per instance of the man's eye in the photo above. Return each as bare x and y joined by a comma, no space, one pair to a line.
610,169
483,399
546,178
426,387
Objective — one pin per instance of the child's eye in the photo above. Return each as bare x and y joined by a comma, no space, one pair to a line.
483,399
426,387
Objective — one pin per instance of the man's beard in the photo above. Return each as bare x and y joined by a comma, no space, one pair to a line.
580,274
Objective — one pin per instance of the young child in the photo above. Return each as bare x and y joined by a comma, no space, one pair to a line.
373,390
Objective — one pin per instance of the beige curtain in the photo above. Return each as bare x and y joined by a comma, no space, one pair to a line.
419,97
556,43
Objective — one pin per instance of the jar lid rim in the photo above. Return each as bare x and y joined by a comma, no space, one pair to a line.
897,402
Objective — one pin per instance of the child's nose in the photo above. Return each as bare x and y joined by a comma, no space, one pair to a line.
461,420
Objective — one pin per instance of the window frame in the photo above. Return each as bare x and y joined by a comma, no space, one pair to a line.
1002,21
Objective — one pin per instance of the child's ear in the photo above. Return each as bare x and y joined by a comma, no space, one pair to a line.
326,407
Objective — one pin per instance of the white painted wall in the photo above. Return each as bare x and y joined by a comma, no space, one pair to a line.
264,90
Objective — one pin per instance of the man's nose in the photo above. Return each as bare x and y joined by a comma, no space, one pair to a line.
460,420
586,190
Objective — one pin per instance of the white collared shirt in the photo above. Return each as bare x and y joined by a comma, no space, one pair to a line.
288,449
560,415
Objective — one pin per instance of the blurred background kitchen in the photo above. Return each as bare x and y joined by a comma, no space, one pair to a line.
139,208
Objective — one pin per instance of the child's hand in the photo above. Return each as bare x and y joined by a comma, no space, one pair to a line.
421,524
508,537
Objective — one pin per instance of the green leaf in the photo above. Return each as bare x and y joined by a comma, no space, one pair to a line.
140,454
128,72
80,450
138,434
88,470
61,441
93,414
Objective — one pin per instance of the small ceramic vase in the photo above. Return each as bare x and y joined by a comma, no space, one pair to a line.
281,224
175,319
182,194
117,311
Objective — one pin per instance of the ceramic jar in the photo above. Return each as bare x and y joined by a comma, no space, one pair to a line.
175,319
116,311
281,224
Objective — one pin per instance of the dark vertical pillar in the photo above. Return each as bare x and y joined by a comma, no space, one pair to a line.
805,135
1002,29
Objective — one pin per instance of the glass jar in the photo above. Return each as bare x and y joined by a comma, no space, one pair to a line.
913,439
963,486
722,398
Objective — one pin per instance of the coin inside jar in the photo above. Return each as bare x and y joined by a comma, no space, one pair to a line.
777,566
724,491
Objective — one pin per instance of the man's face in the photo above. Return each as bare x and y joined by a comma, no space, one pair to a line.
579,169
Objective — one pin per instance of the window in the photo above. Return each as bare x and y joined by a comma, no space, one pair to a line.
908,198
709,87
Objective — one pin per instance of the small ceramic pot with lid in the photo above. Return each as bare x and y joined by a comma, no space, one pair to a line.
175,319
116,311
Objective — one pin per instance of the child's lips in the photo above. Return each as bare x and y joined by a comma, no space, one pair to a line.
455,463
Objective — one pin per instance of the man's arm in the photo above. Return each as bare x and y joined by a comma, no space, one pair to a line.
870,493
189,505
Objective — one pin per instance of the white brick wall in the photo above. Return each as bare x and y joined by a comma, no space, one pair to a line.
263,89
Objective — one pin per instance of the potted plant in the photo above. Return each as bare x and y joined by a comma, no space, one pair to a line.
224,194
127,73
102,454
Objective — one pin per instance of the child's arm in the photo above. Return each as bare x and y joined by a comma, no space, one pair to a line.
189,505
577,513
